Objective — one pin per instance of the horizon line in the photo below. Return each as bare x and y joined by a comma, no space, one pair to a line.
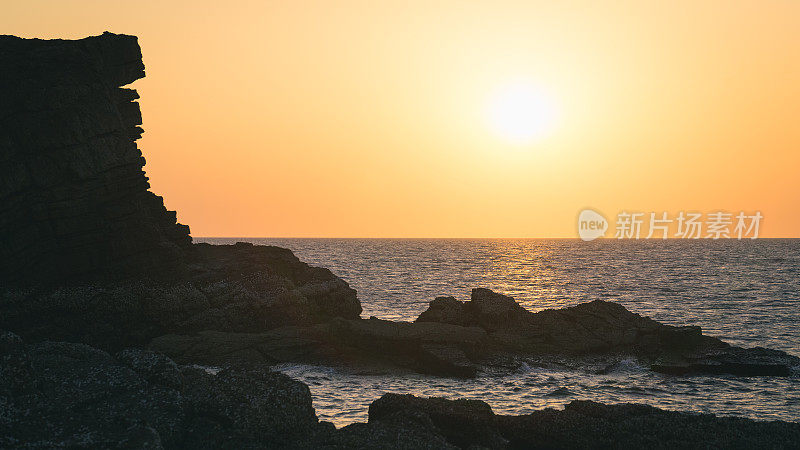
488,238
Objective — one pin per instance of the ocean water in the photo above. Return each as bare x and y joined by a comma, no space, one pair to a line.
744,292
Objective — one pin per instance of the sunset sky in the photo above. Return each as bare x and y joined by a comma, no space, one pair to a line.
398,119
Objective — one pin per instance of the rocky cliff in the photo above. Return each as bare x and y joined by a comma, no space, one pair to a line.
87,253
74,199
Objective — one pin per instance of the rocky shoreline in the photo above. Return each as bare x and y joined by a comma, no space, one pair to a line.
57,394
125,364
261,305
498,331
108,311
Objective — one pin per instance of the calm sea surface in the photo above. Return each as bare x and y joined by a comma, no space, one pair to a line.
744,292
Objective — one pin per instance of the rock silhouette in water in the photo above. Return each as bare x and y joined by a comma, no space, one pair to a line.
454,338
74,201
57,394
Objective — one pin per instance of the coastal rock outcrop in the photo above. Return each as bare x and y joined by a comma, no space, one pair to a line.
236,288
57,395
749,362
456,339
581,424
600,327
427,348
74,200
87,253
592,327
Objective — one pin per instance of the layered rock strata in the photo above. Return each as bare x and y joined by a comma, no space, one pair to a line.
75,202
87,252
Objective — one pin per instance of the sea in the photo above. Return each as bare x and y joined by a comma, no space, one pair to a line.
745,292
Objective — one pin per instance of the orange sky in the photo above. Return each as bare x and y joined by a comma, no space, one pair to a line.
368,118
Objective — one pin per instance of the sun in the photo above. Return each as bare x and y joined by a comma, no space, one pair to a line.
521,112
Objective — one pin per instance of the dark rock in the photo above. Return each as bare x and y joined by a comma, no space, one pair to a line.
487,309
462,422
494,311
71,395
55,394
87,252
447,310
276,273
446,359
219,348
74,200
581,424
10,343
603,328
399,430
586,424
740,369
386,332
756,361
439,349
586,328
560,392
580,333
445,350
249,406
154,367
231,288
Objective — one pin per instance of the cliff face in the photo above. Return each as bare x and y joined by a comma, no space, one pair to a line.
74,200
87,252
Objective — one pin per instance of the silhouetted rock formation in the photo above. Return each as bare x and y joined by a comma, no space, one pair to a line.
61,395
600,327
74,201
230,288
428,348
489,328
55,394
726,359
87,253
581,424
594,327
